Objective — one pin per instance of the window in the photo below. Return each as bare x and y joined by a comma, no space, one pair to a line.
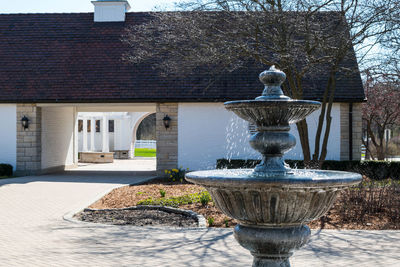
80,125
97,126
111,126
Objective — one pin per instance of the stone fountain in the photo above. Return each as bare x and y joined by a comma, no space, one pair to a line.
273,203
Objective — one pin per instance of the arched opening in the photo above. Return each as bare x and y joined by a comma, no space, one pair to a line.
144,136
106,140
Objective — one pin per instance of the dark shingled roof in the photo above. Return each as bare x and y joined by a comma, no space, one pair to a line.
69,58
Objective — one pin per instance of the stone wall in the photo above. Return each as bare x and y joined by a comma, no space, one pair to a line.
167,139
356,131
29,140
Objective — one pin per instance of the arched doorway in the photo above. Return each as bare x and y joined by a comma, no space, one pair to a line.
144,136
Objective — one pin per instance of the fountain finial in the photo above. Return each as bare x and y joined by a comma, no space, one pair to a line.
272,79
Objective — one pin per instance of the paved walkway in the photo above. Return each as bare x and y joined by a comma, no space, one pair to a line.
33,233
124,165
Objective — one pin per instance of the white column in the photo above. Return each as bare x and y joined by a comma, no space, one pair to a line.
75,137
92,131
84,135
117,130
104,134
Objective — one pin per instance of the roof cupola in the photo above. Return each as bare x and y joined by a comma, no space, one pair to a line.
110,10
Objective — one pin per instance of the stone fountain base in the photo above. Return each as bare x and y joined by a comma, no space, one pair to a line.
272,203
271,247
272,211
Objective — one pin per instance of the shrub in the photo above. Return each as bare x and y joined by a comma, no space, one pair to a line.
210,221
176,174
370,198
6,170
174,201
205,198
376,170
236,163
162,192
226,222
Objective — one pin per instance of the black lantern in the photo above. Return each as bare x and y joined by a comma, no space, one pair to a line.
25,122
166,121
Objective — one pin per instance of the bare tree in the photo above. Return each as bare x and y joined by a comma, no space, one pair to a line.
380,112
301,37
386,61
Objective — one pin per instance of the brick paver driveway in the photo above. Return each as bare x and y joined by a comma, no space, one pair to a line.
34,233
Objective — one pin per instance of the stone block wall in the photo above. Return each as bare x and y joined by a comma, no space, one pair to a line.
356,131
167,139
29,143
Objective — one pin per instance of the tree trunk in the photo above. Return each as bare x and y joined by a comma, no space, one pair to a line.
324,148
321,120
302,128
380,152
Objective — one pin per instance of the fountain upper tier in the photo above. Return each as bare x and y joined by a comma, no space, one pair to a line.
270,114
272,110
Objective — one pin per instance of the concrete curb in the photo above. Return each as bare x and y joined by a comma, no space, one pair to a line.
69,215
201,221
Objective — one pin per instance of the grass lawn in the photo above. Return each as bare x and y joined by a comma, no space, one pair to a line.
145,152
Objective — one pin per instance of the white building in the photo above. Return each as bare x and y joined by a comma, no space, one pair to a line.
113,131
55,68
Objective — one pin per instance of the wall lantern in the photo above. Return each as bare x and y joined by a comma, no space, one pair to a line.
25,122
166,121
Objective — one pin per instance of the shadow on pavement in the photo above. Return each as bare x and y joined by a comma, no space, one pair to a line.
85,176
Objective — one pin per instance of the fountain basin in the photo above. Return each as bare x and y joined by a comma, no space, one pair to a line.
268,114
274,201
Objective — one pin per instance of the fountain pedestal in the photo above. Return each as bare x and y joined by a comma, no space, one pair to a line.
271,247
272,203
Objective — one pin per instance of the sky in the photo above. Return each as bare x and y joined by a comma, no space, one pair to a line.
72,6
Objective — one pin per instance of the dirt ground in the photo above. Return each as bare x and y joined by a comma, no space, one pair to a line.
129,196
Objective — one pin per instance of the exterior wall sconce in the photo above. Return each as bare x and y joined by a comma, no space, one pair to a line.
25,122
166,121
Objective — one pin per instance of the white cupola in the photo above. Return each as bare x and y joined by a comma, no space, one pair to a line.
110,10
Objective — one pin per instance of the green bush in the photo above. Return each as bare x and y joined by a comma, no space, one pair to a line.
176,201
6,170
162,192
176,175
236,163
205,198
376,170
210,221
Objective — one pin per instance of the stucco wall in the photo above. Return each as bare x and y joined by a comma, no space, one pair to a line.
57,137
8,134
207,132
334,136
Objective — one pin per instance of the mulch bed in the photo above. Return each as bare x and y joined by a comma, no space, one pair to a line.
129,196
142,217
